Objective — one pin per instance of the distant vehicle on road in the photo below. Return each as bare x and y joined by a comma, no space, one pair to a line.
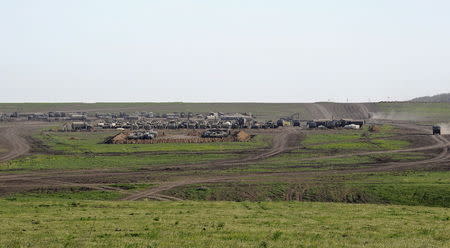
436,130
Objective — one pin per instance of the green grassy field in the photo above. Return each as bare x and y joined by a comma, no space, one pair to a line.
383,131
340,142
409,188
372,145
406,188
58,222
82,150
413,208
66,162
355,140
307,161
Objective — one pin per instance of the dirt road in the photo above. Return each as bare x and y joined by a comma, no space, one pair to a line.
284,140
17,182
11,138
281,144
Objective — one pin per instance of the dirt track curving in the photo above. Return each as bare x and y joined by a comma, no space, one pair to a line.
281,144
284,140
11,138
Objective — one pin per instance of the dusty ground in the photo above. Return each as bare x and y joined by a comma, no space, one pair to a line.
167,177
15,139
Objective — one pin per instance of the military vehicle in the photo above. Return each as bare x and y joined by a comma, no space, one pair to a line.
436,130
256,125
143,135
215,133
296,123
283,123
80,125
311,124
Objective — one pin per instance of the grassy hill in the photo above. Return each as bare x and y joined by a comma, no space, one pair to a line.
436,98
264,111
418,111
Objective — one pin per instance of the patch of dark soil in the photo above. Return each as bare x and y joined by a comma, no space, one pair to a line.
39,147
383,158
68,189
418,140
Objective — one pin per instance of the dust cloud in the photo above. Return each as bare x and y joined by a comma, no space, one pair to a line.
445,128
394,115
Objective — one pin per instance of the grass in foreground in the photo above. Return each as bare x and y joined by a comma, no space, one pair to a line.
68,223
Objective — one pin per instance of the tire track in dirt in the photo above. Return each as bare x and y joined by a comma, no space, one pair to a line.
282,142
11,139
441,157
441,142
155,191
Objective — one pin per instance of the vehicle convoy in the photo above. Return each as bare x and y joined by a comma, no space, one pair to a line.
436,130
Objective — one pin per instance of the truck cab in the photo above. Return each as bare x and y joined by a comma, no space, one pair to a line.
436,130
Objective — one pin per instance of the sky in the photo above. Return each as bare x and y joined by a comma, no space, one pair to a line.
223,51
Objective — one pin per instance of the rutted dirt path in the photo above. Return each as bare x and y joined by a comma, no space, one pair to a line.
169,185
284,140
11,139
440,143
281,143
444,156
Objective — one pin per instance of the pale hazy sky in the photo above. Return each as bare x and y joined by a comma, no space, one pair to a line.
229,50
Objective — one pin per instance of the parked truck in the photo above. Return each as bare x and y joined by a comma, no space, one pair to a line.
436,130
